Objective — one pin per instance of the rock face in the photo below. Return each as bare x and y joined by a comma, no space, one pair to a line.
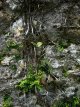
65,67
60,20
63,19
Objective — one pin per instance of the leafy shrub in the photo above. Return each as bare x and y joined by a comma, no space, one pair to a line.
62,44
7,101
72,102
45,66
31,82
13,44
38,44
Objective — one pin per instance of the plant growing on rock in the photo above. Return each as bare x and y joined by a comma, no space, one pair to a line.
62,44
13,44
31,83
72,102
7,101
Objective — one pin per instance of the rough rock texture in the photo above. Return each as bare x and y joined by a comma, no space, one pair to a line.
61,23
66,19
66,61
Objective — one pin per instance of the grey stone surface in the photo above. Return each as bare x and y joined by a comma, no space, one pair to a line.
62,22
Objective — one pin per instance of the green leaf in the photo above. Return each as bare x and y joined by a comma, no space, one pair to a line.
39,44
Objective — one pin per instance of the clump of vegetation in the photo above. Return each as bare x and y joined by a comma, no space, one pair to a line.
7,101
45,66
13,44
31,83
35,77
38,44
62,44
72,102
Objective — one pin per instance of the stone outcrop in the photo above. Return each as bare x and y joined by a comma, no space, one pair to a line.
60,20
